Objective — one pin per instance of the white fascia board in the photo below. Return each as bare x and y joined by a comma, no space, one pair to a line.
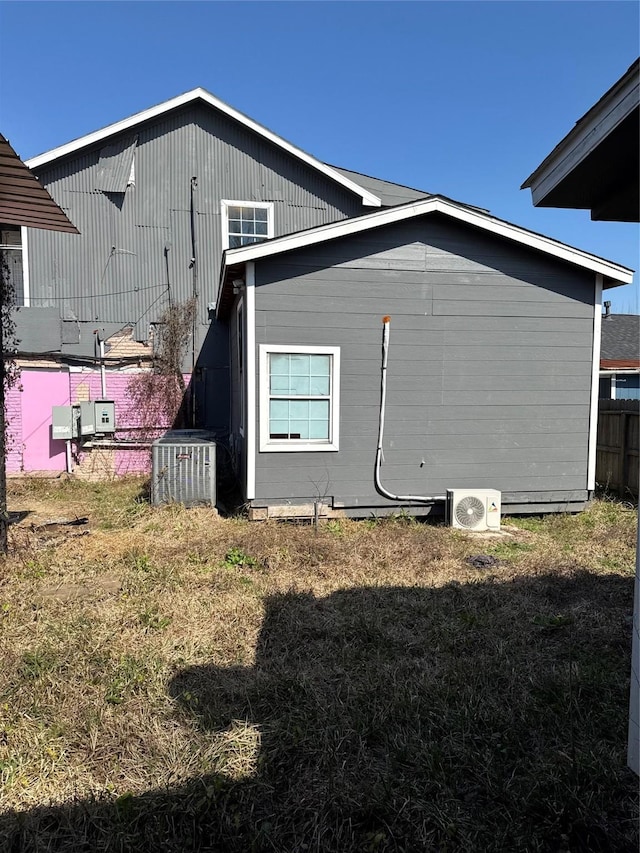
588,133
432,205
368,199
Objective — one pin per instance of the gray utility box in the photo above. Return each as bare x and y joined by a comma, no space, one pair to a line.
87,418
64,422
183,468
104,416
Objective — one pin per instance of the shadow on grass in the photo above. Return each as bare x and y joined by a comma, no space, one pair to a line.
18,516
476,717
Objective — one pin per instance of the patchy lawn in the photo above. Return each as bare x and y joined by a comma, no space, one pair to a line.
172,681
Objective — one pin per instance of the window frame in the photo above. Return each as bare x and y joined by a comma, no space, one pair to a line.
225,204
294,445
24,260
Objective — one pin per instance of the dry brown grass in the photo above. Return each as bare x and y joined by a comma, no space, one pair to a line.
176,681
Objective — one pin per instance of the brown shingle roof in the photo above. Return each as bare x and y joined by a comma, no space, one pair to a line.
23,201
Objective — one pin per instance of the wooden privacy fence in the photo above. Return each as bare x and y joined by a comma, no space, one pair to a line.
618,448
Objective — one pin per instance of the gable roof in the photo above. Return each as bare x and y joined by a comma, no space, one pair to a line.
369,199
620,341
614,273
23,201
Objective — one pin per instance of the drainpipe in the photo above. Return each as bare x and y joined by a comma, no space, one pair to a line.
194,268
103,373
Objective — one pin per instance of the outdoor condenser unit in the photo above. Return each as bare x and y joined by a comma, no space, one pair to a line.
183,468
473,509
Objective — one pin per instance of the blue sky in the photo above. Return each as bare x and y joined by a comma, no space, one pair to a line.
460,98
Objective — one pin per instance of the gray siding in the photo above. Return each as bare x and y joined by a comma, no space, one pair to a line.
135,245
489,369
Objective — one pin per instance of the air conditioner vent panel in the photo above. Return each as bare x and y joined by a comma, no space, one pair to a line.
183,468
473,509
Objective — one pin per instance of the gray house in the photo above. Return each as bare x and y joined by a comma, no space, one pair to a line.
492,375
494,333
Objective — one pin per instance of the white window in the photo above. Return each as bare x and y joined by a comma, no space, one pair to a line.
12,260
245,222
299,398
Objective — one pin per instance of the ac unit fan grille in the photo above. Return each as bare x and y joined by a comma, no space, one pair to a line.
469,511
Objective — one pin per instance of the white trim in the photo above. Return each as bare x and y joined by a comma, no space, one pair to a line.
26,293
268,445
225,204
368,198
250,362
595,385
613,386
241,357
432,205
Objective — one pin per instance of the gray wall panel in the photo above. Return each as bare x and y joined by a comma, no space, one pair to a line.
489,367
229,162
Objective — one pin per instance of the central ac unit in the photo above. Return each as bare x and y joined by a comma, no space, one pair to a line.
183,468
473,509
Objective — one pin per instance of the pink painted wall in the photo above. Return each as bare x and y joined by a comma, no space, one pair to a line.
29,405
41,390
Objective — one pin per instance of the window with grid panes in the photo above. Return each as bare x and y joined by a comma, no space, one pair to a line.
300,399
247,223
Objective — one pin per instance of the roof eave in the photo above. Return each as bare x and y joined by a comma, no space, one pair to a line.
609,269
589,131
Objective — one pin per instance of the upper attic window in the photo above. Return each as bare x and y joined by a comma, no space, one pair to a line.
12,262
245,222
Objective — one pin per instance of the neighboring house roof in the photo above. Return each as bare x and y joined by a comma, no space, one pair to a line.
596,165
390,194
23,201
613,273
620,341
393,195
369,198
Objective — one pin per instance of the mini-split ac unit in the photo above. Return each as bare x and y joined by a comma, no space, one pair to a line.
473,509
183,468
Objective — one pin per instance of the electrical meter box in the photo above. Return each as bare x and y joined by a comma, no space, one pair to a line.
105,416
87,418
64,422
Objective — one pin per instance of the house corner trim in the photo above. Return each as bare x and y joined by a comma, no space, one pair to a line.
595,384
250,408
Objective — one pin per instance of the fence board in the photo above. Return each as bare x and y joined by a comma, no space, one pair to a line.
618,447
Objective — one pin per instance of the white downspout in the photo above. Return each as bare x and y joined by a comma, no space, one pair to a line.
383,402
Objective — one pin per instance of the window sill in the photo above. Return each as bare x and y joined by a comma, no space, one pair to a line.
287,447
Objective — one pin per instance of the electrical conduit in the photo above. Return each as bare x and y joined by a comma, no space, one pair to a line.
386,321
